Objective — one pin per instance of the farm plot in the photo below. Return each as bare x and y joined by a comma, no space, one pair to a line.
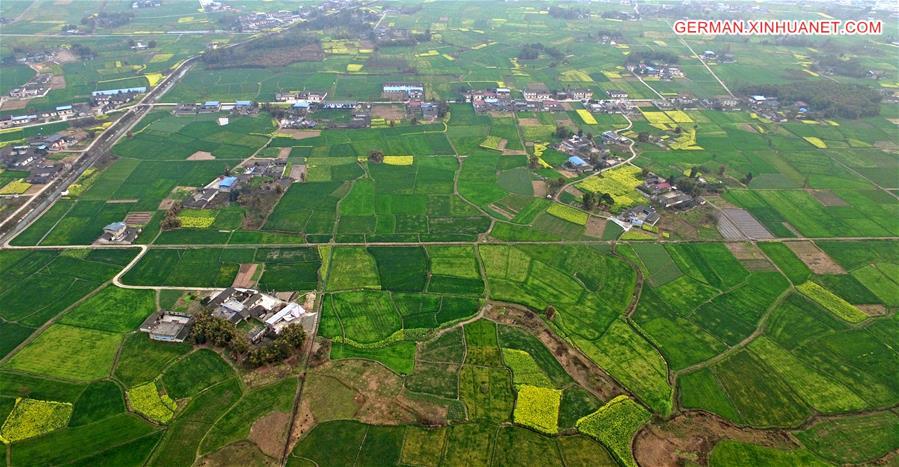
621,183
41,284
285,269
167,137
615,425
68,352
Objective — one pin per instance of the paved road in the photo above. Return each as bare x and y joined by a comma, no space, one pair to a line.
41,201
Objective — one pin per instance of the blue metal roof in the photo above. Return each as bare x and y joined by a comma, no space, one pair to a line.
227,182
115,226
64,107
243,103
575,160
211,103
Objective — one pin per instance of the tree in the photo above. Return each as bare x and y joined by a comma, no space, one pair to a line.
747,178
721,169
643,137
376,157
588,200
606,199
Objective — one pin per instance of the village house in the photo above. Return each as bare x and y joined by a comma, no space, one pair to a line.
640,215
536,92
490,100
119,233
44,173
403,91
168,326
574,95
579,165
616,95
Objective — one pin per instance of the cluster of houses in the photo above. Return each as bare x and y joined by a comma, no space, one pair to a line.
262,21
62,112
37,86
237,107
401,91
109,99
268,313
223,189
146,4
585,155
710,56
32,157
662,72
535,98
662,193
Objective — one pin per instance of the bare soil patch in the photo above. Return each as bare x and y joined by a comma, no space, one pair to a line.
502,212
750,256
300,134
873,310
65,56
284,153
539,187
33,189
828,198
166,204
566,173
58,82
596,226
575,192
298,172
388,111
122,201
14,104
138,217
270,433
514,152
747,127
244,278
689,438
201,156
584,371
814,258
529,122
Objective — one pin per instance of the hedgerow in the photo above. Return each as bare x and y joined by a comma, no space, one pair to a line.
538,408
32,417
145,400
615,424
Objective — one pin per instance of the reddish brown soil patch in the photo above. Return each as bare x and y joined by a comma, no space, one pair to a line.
529,122
582,369
388,111
284,153
304,422
298,172
566,173
244,278
747,127
201,156
827,198
33,189
122,201
138,218
166,204
539,187
815,259
596,226
873,310
689,438
270,433
14,104
501,211
300,134
514,152
58,82
575,192
750,256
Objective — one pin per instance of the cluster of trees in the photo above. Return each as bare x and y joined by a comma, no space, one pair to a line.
376,157
171,221
222,333
825,98
651,57
592,200
106,19
567,13
611,34
533,51
82,51
841,65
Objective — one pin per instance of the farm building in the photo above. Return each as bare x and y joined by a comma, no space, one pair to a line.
111,92
227,183
537,92
403,91
167,326
120,233
270,313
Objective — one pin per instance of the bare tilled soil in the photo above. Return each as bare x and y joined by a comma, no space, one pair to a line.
815,259
270,432
584,371
690,437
